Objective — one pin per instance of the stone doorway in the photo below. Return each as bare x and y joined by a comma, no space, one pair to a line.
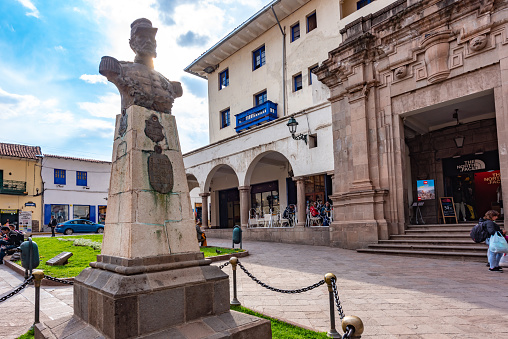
446,143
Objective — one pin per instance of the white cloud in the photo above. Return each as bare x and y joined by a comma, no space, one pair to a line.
94,78
107,107
60,48
29,5
44,123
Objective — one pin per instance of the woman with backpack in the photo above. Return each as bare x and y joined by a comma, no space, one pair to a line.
492,228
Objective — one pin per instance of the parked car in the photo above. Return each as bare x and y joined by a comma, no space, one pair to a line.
79,226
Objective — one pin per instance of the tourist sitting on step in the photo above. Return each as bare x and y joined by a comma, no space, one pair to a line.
201,236
7,242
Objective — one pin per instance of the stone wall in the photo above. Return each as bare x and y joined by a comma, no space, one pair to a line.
318,236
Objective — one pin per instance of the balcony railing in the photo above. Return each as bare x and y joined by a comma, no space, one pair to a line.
13,187
256,116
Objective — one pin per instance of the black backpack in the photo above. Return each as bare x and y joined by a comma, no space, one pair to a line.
479,233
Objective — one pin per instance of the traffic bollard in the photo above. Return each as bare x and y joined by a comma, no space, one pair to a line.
234,261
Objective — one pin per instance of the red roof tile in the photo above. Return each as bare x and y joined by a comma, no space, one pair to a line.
80,159
19,151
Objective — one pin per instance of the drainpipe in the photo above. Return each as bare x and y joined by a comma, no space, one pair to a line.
283,63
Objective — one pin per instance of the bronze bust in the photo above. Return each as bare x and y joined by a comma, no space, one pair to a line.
138,83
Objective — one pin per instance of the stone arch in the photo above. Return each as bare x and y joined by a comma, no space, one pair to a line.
222,168
192,181
272,157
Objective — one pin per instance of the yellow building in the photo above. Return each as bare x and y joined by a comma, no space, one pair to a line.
20,184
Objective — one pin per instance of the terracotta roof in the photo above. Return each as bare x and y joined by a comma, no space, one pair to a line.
79,159
19,151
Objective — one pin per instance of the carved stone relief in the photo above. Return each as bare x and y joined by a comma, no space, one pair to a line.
400,72
478,43
160,171
437,48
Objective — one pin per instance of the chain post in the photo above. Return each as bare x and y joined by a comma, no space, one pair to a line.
38,276
353,326
234,261
329,277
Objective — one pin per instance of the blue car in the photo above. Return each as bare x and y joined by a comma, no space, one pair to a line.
79,226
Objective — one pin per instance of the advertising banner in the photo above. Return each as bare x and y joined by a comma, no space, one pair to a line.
25,221
425,190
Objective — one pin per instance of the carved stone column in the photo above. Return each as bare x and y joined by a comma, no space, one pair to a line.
244,205
204,209
300,201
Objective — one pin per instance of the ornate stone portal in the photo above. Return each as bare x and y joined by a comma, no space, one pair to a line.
150,280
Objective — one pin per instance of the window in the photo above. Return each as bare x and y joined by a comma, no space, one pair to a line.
59,177
297,82
260,98
258,58
81,178
224,118
224,79
311,69
362,3
295,32
311,22
265,197
81,212
60,212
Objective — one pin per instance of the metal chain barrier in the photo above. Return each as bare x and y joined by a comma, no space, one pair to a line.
301,290
224,265
337,301
349,332
58,280
17,289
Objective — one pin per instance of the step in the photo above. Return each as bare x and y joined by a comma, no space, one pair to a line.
465,256
450,232
435,248
431,236
450,241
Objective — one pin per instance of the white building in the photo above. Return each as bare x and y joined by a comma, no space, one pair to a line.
259,79
75,188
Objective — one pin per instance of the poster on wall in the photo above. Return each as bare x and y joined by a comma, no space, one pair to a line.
25,221
425,190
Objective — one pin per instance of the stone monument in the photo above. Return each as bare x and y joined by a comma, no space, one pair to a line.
150,280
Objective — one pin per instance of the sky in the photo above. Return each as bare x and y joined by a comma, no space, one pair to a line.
51,93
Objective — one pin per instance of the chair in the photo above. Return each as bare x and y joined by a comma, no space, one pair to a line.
313,221
253,218
268,220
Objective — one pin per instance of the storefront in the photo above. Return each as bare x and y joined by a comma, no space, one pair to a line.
9,215
229,208
474,182
265,197
84,212
102,214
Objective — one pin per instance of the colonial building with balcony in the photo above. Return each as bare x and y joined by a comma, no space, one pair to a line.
270,121
20,184
75,188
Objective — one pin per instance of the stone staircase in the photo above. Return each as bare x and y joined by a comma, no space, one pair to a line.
445,241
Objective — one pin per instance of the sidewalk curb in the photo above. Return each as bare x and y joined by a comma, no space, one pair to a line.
21,271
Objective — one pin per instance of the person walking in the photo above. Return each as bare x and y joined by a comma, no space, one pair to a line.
492,228
52,224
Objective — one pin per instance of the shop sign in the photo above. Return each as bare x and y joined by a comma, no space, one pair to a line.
488,161
471,165
9,211
25,221
28,204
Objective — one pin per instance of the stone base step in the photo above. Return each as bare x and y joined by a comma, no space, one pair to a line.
442,242
465,256
431,236
430,248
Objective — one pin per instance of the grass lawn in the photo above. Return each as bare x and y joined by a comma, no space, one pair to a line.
82,255
282,330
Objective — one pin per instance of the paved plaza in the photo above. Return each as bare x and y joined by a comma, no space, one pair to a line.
396,297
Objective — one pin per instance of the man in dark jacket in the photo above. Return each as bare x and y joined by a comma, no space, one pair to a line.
7,242
52,224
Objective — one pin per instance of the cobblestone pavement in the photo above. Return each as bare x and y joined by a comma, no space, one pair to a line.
396,297
17,313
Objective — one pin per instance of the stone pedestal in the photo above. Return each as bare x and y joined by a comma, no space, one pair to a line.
150,280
